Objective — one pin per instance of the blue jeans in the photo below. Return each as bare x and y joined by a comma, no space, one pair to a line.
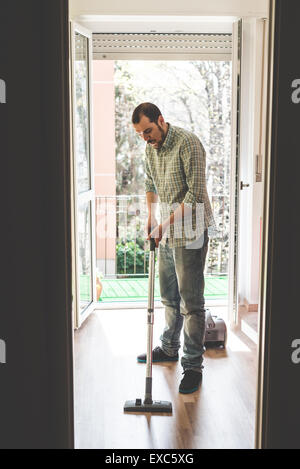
181,280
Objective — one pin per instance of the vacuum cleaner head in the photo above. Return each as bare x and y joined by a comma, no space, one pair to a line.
216,331
156,406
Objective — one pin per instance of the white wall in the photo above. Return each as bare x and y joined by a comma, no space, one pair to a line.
169,7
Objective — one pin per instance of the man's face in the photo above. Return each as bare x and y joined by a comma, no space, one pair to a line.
151,132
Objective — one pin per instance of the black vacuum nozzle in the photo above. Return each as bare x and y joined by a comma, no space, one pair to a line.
139,406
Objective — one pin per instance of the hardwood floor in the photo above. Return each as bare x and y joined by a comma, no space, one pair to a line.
220,415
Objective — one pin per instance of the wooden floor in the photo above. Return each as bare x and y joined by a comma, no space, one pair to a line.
220,415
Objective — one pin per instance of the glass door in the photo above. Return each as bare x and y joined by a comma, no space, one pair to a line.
84,286
233,302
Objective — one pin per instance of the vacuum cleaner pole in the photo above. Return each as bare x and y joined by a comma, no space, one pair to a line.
150,322
148,405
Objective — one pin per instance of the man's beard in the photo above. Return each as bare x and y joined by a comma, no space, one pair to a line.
163,136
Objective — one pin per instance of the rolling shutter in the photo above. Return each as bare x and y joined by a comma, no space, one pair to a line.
159,46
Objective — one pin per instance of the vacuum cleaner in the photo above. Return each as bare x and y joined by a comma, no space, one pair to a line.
149,405
215,330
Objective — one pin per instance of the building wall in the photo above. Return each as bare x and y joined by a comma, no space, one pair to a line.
105,163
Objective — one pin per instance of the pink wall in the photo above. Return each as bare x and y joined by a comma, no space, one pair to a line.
104,153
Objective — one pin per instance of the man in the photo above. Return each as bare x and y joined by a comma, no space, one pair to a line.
175,177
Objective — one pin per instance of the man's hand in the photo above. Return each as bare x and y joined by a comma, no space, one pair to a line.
153,230
150,224
157,234
158,231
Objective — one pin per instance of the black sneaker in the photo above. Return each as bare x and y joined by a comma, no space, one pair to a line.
158,355
190,382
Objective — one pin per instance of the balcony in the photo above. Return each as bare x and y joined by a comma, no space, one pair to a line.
122,252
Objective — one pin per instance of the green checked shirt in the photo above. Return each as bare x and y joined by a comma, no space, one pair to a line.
176,172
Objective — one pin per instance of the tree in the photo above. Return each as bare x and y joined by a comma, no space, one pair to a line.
129,148
195,95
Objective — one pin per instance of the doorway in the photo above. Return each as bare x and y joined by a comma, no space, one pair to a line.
188,92
242,350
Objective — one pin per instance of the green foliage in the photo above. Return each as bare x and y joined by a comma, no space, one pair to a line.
131,254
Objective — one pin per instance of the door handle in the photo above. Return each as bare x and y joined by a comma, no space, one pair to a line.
244,185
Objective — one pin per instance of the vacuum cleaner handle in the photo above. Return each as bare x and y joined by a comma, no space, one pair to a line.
148,405
151,275
150,321
152,244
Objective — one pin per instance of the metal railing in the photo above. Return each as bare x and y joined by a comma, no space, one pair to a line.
122,249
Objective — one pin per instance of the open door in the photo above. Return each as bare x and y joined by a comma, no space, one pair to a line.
83,223
233,302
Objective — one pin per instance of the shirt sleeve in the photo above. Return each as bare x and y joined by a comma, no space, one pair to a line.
194,161
149,183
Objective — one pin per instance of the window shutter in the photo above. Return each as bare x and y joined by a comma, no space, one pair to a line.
159,46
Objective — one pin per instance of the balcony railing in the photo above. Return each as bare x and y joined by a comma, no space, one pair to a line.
122,250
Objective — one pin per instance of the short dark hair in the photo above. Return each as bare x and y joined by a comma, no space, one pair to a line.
146,109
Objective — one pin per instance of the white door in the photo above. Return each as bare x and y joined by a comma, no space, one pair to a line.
234,171
84,274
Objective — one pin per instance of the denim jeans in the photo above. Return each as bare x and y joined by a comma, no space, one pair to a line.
181,276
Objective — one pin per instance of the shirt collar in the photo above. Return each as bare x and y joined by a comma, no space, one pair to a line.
169,138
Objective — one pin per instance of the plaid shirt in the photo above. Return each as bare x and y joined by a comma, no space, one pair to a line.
176,172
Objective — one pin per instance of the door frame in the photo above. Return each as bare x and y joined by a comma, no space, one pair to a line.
258,428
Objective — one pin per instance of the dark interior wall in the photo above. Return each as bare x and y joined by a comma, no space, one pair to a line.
281,409
35,317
